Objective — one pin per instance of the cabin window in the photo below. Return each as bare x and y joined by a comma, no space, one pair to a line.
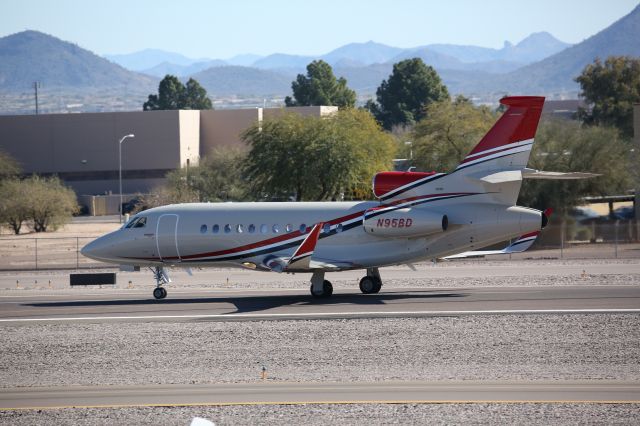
215,228
227,228
252,228
138,222
141,223
239,229
303,228
326,228
203,229
276,228
288,227
263,228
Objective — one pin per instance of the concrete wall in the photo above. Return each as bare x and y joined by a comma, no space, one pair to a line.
55,143
189,132
83,148
314,111
223,127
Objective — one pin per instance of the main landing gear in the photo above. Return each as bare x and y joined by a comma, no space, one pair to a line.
161,278
371,283
320,287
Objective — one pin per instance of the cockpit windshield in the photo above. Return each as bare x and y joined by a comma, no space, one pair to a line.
137,222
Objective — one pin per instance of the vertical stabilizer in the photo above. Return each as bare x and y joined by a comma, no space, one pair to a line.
508,144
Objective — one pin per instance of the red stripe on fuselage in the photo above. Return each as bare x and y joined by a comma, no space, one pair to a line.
269,241
291,235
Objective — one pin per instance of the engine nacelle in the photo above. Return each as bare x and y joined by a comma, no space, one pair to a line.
404,223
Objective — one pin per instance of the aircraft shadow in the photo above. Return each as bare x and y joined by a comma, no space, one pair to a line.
247,304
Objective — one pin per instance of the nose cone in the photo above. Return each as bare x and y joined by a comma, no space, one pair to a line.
100,249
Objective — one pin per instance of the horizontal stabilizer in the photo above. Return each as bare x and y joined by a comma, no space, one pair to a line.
518,246
539,174
501,177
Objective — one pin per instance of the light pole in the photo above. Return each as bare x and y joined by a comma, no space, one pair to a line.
120,170
410,144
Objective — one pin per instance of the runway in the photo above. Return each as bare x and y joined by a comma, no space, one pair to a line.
233,305
322,393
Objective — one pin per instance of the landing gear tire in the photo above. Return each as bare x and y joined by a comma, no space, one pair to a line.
327,290
159,293
370,285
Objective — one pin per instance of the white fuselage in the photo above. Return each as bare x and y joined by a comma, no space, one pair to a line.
245,234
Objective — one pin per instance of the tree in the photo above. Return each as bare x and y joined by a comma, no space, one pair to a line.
316,158
611,89
320,87
448,133
403,98
49,203
195,96
565,146
12,210
8,166
45,202
217,177
13,206
172,94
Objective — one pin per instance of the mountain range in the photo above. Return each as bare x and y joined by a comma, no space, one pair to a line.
539,64
444,56
32,56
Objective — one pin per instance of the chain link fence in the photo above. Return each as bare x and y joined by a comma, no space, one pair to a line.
566,241
45,253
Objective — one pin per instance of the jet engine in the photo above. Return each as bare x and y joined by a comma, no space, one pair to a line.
401,223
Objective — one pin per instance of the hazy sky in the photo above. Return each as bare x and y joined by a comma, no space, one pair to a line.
221,29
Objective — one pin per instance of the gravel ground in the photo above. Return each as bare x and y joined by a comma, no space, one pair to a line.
510,347
356,414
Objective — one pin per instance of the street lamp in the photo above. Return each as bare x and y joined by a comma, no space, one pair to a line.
120,170
410,145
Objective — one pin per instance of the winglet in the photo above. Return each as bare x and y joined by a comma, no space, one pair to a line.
302,257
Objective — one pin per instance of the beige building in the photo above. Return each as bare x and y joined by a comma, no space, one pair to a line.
82,149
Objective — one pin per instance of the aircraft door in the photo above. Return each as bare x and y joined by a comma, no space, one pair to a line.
167,238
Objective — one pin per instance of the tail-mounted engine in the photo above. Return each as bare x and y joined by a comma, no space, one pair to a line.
404,223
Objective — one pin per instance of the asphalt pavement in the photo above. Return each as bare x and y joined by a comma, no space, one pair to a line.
229,305
323,393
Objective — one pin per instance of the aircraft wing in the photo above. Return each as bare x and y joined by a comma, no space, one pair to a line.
301,258
518,246
331,265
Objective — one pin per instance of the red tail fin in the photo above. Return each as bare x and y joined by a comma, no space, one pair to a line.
513,132
518,123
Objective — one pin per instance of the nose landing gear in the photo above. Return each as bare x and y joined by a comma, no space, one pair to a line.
159,292
161,278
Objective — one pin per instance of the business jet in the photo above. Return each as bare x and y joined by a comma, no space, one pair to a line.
418,216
